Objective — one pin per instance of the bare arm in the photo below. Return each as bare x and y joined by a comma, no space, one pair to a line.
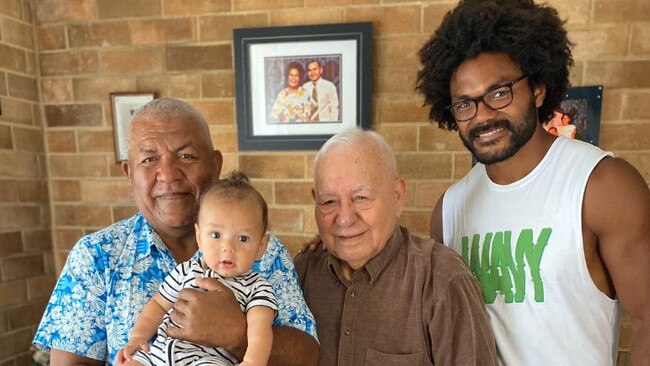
195,312
293,347
436,221
616,210
150,318
63,358
260,335
227,328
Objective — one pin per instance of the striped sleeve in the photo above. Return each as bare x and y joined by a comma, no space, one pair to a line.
261,293
175,281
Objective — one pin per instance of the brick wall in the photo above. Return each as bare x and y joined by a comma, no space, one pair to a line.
86,49
26,265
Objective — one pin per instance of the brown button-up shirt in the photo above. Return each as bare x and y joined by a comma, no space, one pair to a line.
415,303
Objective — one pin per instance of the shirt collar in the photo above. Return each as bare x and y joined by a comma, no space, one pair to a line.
146,238
376,265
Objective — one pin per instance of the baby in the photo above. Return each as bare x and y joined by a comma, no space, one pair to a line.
231,235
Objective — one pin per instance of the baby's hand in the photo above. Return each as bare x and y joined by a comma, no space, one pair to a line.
134,345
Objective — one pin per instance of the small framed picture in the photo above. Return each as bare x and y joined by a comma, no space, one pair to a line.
579,114
299,85
123,106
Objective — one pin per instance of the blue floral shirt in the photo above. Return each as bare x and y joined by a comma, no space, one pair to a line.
111,274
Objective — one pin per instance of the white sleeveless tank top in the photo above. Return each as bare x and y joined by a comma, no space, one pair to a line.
523,242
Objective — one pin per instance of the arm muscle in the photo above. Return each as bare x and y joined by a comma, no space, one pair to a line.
616,209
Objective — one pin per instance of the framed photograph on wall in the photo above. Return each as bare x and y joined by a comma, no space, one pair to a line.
579,114
123,106
297,86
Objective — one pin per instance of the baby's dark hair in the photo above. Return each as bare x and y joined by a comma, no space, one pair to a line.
532,35
236,186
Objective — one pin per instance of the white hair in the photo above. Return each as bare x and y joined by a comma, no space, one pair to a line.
353,137
164,109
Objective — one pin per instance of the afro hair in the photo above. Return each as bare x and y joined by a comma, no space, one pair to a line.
532,35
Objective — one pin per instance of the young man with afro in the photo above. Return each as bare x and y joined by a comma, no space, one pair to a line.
556,230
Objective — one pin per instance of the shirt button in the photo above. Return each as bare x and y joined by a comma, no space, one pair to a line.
347,332
353,294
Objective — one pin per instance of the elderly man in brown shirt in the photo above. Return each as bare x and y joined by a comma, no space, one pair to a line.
380,295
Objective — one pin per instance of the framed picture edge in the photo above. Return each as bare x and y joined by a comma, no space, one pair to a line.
120,127
593,94
362,32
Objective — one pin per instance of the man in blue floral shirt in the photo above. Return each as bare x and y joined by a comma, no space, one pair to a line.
111,274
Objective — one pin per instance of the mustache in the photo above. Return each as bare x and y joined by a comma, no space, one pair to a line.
489,126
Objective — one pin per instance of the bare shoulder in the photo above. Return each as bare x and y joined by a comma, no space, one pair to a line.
616,208
617,173
615,191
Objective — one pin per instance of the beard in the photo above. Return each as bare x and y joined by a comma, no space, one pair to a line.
521,133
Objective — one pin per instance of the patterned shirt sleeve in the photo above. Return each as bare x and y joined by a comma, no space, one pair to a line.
277,267
74,320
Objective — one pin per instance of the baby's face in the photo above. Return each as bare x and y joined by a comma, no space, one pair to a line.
230,235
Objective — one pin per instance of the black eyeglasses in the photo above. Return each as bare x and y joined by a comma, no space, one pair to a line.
497,98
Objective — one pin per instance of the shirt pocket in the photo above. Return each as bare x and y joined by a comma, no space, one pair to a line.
376,358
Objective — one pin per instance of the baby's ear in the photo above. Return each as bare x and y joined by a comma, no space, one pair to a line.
264,243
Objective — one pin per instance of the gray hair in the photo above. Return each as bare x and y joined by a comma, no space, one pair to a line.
353,137
163,109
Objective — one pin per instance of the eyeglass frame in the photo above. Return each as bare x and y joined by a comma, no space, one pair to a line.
480,98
